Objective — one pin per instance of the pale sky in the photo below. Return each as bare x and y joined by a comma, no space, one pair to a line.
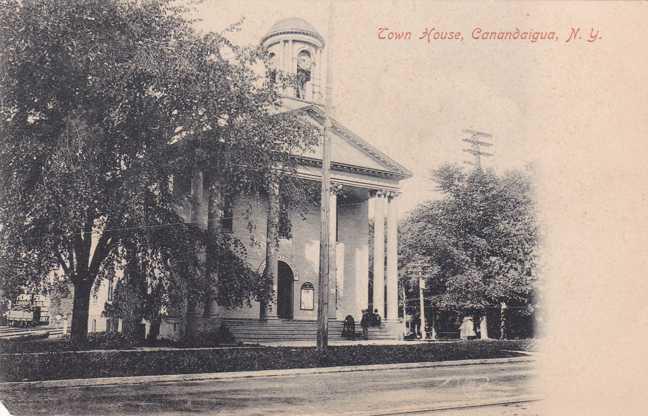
413,99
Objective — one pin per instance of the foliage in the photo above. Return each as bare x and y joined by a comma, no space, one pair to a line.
65,365
103,102
476,247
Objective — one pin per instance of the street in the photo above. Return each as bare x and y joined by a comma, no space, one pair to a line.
8,332
483,389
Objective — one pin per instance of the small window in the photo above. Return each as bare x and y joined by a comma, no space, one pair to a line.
181,186
227,221
285,227
304,64
94,325
110,290
307,297
273,68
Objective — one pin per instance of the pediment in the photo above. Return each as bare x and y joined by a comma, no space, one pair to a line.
348,149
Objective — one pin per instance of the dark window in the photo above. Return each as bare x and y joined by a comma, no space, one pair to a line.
227,222
272,72
284,220
181,186
304,63
110,290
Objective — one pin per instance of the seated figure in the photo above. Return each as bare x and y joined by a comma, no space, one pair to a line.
348,330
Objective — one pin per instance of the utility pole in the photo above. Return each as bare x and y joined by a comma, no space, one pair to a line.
404,294
418,266
477,139
421,283
325,209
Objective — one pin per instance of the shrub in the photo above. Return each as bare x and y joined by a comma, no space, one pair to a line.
87,364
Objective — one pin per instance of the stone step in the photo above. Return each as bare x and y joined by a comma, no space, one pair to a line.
273,330
277,326
273,325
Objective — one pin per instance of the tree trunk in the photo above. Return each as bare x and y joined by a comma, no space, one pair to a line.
190,318
154,332
214,217
133,296
129,317
80,312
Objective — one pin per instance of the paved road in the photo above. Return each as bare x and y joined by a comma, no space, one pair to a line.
8,332
363,393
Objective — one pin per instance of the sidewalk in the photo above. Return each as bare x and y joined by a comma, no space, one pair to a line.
176,378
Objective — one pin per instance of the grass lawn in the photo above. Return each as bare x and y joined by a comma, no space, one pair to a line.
60,363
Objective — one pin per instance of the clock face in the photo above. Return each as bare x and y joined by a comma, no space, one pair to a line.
304,60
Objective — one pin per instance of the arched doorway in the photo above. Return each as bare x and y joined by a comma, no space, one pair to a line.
285,280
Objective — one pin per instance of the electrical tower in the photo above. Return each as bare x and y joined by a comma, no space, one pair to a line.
477,139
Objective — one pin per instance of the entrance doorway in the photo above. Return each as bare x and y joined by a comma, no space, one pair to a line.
285,280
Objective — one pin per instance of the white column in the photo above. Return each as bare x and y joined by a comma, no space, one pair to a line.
379,253
284,66
332,304
291,58
392,257
320,79
483,327
315,69
360,275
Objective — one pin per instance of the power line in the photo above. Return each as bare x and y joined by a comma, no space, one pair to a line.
477,139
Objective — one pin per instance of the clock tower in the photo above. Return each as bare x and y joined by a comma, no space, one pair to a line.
295,48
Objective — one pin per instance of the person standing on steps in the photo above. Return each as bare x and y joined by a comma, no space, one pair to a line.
416,323
364,323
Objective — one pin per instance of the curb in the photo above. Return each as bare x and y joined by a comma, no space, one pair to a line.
175,378
529,353
26,336
441,406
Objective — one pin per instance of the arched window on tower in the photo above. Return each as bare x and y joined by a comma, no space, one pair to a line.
304,64
272,71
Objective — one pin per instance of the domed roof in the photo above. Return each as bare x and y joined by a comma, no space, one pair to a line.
293,25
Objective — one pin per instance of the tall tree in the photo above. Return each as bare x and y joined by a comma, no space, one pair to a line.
103,102
479,240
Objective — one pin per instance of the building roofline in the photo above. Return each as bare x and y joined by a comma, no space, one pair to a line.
399,170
